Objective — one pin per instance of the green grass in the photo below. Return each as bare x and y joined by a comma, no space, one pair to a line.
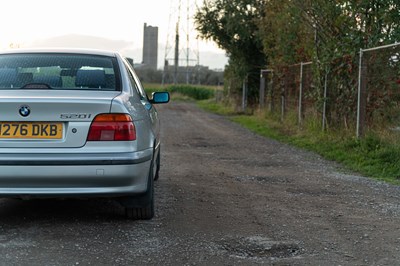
372,156
184,91
214,107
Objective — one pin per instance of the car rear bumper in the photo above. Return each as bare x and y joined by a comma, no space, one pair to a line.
74,175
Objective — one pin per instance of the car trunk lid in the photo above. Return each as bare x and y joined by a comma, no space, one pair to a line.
50,118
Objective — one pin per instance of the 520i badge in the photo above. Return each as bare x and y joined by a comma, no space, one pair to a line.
75,116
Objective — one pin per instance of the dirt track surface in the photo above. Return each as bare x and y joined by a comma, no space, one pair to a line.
225,197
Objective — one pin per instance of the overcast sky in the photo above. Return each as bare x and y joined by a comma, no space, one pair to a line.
26,21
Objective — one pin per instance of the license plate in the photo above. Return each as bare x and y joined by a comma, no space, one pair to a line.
34,130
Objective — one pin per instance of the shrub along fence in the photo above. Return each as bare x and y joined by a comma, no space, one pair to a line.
359,93
195,92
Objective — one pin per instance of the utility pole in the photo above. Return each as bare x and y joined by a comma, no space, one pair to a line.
176,57
176,50
187,42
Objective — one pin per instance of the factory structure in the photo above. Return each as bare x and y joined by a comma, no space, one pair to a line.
150,47
181,58
181,61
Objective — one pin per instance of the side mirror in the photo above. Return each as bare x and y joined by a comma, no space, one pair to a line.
159,97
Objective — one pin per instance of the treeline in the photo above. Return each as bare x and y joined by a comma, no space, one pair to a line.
260,34
194,75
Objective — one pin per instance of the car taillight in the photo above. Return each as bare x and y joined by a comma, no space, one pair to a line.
112,127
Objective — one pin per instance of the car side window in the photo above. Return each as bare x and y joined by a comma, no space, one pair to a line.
133,83
139,90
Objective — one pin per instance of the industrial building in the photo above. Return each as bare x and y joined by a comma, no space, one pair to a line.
150,46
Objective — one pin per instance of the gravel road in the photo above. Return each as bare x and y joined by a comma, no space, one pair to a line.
225,197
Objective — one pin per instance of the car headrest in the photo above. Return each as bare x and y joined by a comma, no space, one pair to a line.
90,78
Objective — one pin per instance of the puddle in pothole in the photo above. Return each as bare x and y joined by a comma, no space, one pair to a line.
264,179
260,247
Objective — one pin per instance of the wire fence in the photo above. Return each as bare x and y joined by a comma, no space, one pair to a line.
359,93
382,87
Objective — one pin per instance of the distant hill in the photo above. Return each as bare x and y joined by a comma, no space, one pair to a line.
210,59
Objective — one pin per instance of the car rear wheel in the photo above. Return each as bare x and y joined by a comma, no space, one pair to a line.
141,207
141,213
158,165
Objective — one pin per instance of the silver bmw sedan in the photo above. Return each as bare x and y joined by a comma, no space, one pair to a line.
77,123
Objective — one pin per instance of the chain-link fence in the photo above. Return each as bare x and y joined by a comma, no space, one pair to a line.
289,90
340,93
380,86
353,92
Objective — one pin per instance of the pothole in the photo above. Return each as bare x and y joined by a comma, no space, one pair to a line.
311,192
264,179
260,247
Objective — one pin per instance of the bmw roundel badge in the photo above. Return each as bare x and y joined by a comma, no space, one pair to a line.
24,110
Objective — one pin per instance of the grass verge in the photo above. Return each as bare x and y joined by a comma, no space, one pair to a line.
184,92
372,156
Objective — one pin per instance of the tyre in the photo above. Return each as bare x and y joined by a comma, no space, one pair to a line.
142,213
141,207
158,165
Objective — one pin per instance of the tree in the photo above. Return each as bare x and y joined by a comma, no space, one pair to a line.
233,26
329,33
342,28
287,37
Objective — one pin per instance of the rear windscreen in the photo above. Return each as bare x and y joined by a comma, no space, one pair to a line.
58,71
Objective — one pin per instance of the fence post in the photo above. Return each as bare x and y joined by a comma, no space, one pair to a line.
244,96
325,99
283,100
271,90
301,94
362,96
262,90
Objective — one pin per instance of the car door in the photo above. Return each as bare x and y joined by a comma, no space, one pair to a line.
151,110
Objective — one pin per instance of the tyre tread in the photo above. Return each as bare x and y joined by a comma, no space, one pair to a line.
145,213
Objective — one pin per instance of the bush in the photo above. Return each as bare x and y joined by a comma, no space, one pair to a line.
197,93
